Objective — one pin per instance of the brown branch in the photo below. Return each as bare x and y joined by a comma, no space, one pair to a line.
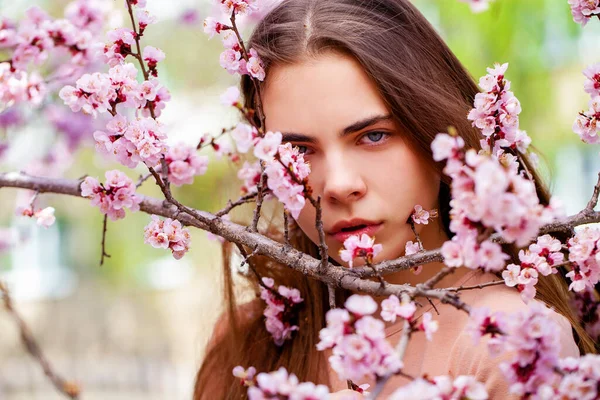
104,253
334,275
67,388
142,179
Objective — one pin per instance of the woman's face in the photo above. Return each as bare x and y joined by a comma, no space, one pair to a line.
361,164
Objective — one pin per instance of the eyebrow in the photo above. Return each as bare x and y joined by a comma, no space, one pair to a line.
355,127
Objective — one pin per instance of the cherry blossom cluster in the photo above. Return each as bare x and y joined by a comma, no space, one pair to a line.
535,369
286,176
167,234
587,307
39,35
19,86
487,196
539,259
392,307
112,197
496,113
98,93
134,141
184,163
36,38
357,339
442,387
281,310
587,123
584,10
279,385
44,217
478,5
584,254
359,246
235,59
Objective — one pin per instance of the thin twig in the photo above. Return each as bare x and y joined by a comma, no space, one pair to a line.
434,280
231,205
412,226
259,199
323,249
480,286
104,253
67,388
142,179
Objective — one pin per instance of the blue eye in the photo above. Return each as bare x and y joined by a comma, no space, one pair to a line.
375,137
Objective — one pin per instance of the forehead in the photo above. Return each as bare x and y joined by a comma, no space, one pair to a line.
319,96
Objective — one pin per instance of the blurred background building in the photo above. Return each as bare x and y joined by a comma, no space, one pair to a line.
136,327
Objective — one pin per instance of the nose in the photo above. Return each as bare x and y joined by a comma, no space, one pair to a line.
343,180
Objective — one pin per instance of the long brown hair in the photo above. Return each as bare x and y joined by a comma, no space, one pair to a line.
426,90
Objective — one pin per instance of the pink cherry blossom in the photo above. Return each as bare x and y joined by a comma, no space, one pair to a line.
592,83
584,253
144,18
584,10
586,125
267,146
121,42
478,5
250,174
279,385
281,310
112,197
212,27
420,216
411,248
587,306
244,136
231,97
184,163
363,246
392,308
45,217
167,234
153,56
445,146
255,66
361,305
483,322
428,325
239,7
245,375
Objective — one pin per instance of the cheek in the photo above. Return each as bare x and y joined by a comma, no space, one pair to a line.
306,222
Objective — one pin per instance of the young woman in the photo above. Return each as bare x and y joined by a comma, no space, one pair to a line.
362,88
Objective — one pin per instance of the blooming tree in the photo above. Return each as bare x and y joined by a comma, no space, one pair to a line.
494,203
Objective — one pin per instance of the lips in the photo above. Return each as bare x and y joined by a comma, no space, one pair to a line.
344,229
